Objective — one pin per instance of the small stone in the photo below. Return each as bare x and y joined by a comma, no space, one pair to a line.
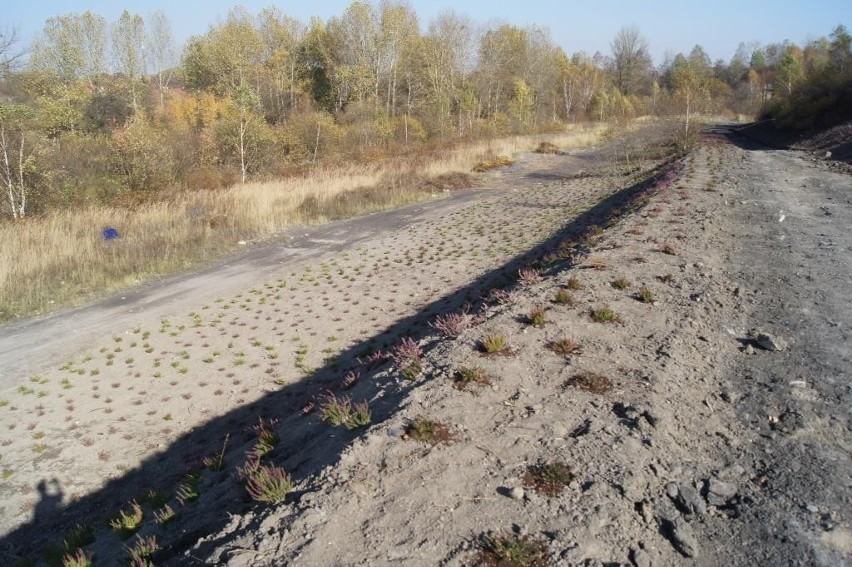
684,538
749,349
517,493
719,492
689,500
639,557
769,342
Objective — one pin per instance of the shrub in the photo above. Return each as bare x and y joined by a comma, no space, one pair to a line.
407,358
267,483
452,324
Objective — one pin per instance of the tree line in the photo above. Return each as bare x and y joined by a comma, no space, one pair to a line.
115,112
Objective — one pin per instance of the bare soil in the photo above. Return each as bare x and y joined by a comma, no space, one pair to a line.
704,447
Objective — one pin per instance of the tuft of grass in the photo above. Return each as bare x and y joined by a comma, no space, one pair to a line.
78,558
467,375
565,346
341,411
427,431
645,295
590,382
164,515
266,483
529,276
563,297
549,479
142,550
493,344
575,284
620,283
128,523
512,550
604,315
492,163
537,317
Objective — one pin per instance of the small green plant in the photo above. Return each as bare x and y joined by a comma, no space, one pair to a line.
78,558
164,515
427,430
537,317
187,492
467,375
563,297
645,295
493,344
341,411
549,479
590,382
266,483
267,439
604,315
575,284
620,283
565,346
140,553
512,550
128,523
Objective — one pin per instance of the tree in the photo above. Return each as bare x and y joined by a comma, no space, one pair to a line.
128,48
16,155
9,55
160,48
630,60
72,46
689,89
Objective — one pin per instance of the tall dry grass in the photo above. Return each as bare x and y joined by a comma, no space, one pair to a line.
61,259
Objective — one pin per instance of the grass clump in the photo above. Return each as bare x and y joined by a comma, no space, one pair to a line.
493,344
427,431
537,317
77,559
266,483
341,411
565,346
142,550
604,315
590,382
512,550
549,479
467,375
563,297
645,295
128,523
620,283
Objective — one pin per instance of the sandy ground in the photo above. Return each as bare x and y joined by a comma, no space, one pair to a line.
705,447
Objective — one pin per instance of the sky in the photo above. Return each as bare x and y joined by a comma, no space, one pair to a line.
670,26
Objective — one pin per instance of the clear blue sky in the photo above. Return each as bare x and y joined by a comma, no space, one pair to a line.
669,25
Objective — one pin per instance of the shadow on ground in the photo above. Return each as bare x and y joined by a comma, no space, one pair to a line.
307,445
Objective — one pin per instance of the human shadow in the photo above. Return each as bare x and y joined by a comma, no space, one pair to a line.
306,444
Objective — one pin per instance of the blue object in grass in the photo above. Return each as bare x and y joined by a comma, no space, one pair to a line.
109,233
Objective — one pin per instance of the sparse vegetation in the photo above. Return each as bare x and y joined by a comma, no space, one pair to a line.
645,295
563,297
467,375
128,523
512,550
620,283
493,344
591,382
266,483
537,317
604,315
549,479
565,346
427,431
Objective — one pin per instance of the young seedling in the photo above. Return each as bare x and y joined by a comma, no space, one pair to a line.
537,317
512,550
467,375
549,479
266,483
645,295
604,315
127,524
563,297
494,344
590,382
565,347
427,431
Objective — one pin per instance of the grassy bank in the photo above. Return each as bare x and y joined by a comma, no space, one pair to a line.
61,259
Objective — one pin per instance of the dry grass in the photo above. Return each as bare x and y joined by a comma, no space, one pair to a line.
60,259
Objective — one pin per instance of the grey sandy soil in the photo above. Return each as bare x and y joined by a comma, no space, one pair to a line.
707,449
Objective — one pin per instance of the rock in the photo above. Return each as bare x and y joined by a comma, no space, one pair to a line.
748,349
639,557
683,538
767,341
719,492
689,500
517,493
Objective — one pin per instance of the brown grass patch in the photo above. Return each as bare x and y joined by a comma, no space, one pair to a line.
590,382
